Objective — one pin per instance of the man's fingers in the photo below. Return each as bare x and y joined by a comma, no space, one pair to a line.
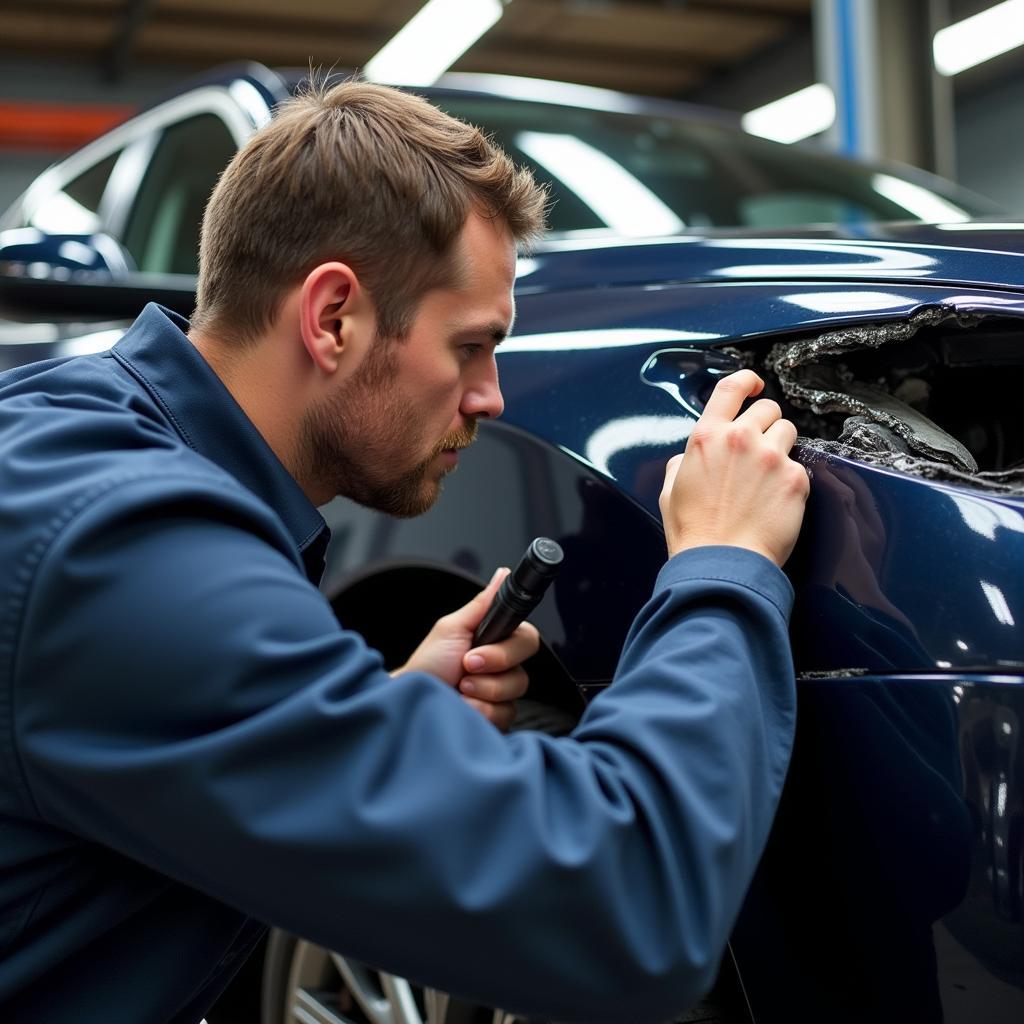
761,415
730,393
497,689
494,658
782,434
671,470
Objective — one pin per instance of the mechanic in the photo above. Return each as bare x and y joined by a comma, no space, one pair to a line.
190,744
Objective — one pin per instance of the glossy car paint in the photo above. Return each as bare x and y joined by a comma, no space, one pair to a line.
787,258
893,885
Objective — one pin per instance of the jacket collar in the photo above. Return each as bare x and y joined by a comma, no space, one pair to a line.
208,419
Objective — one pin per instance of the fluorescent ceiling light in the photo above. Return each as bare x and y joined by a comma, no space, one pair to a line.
621,200
979,38
916,200
792,118
432,40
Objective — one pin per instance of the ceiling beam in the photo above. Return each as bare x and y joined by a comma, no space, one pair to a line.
129,25
796,9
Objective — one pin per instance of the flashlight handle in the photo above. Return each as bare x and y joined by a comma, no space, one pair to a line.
520,591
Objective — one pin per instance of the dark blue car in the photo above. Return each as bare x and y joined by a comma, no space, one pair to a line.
885,310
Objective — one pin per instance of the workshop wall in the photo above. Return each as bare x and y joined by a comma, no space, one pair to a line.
990,143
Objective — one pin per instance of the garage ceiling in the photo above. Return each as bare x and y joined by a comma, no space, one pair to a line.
667,48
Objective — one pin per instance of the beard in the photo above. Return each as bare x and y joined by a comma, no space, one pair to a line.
355,441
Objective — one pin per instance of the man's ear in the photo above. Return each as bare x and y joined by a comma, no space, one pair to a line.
331,308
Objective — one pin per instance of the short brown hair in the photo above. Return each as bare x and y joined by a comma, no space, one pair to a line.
375,177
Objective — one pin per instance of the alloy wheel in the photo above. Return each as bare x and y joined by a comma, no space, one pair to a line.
327,988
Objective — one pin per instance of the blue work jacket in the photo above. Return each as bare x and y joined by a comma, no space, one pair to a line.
190,744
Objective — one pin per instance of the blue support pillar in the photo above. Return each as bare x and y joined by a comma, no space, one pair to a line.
845,37
876,55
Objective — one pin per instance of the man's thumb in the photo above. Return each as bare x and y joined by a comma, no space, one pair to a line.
477,608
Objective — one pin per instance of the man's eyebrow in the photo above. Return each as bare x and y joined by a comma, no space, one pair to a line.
496,330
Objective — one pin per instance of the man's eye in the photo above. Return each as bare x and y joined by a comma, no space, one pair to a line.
468,351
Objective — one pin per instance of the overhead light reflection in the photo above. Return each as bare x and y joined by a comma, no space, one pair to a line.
247,96
997,600
982,225
989,300
917,201
621,200
615,337
604,238
543,90
847,302
62,215
879,256
635,432
20,236
985,517
76,252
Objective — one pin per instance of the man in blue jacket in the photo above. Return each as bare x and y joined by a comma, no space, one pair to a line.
191,746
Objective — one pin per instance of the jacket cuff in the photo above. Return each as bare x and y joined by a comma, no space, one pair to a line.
732,565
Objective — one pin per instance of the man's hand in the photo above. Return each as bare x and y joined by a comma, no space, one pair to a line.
489,678
736,484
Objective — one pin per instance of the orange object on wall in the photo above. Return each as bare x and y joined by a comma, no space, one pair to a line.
52,126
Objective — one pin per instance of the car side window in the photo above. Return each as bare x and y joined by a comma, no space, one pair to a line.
162,230
74,209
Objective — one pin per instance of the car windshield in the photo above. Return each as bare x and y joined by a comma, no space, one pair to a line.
651,175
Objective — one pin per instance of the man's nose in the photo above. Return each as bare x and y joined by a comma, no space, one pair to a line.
483,396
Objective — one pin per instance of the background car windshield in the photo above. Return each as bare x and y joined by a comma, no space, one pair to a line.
642,175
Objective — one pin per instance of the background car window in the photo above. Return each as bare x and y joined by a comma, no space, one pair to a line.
162,232
648,175
770,209
73,210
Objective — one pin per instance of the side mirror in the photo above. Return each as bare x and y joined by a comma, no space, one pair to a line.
82,273
29,252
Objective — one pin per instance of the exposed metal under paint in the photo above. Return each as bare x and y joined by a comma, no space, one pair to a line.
884,421
832,673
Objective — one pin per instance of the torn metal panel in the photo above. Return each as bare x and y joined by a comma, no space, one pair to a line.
832,673
882,426
1009,481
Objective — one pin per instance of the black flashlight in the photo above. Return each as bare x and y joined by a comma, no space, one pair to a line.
520,591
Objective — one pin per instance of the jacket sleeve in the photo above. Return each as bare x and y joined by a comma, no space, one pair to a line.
188,700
